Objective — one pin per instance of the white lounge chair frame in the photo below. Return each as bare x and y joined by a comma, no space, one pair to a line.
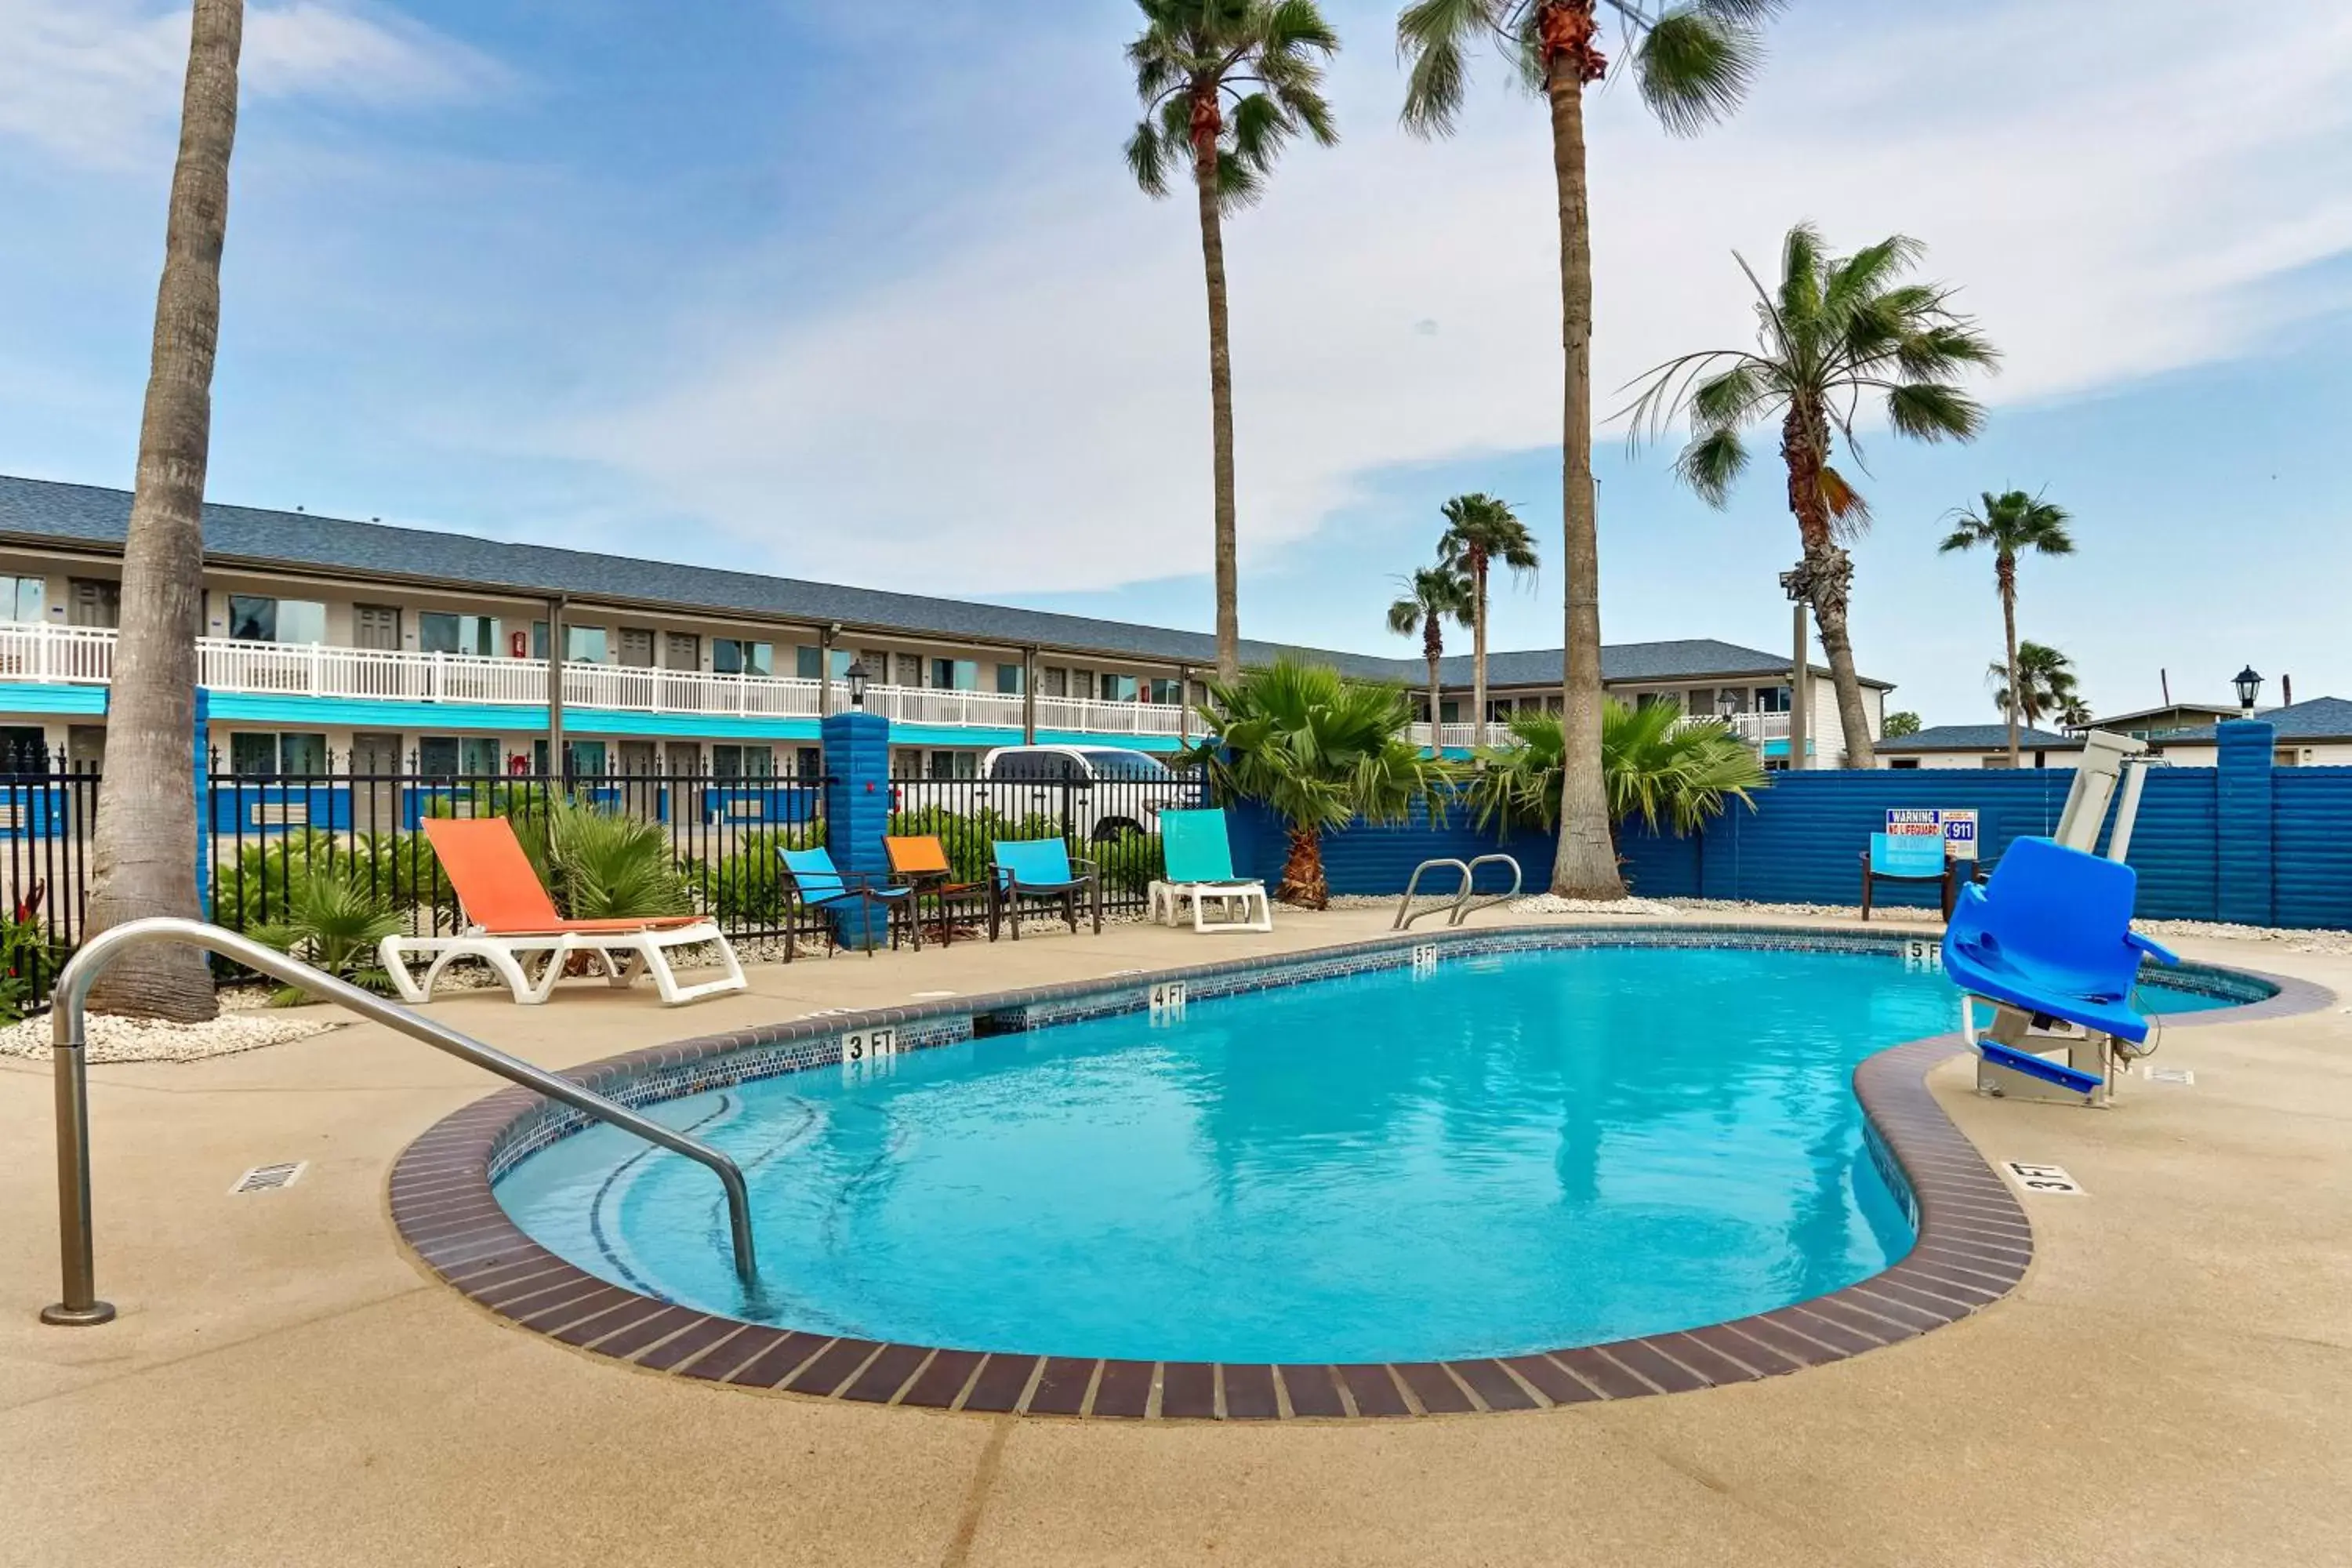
1164,902
645,953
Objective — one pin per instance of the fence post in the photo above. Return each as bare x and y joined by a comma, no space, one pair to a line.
857,811
2243,825
203,803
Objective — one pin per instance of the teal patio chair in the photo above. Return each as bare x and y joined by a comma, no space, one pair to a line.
1040,868
1909,858
811,881
1198,857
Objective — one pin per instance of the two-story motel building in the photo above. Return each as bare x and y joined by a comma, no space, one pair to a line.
380,648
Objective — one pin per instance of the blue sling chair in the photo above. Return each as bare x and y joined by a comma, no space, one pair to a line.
1040,868
2050,936
811,881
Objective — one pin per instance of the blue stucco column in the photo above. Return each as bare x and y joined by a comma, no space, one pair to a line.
2243,825
857,811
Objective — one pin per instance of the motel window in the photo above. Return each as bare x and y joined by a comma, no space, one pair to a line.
1772,699
438,632
807,661
253,756
1449,710
253,618
743,762
273,756
736,655
1165,688
1008,679
808,764
955,674
1999,759
584,645
1118,688
1903,762
96,602
954,765
21,597
587,758
437,756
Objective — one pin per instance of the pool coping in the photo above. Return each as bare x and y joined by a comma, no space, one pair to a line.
1974,1241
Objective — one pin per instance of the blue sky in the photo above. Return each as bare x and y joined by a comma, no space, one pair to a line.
800,288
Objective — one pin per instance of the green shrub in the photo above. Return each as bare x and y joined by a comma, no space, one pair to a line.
333,922
609,865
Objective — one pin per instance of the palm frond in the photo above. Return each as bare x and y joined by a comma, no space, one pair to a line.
1694,65
1433,38
1931,411
1711,463
1146,160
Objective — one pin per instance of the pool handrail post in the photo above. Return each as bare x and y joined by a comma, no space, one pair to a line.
79,1305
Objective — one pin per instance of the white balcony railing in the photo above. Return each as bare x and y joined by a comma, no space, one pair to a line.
1461,737
85,656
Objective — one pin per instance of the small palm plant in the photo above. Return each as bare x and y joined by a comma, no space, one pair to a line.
331,922
1661,771
1225,83
1832,331
608,865
2046,686
1431,596
2011,524
1319,752
1482,534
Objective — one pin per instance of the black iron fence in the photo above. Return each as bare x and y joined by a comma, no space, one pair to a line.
266,837
1114,822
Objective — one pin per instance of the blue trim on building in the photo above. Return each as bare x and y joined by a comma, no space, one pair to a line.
31,697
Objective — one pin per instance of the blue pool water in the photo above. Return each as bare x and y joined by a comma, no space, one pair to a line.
1513,1153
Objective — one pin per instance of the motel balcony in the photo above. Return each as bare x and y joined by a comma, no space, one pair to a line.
84,656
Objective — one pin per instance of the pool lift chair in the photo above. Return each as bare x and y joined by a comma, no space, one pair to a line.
2049,944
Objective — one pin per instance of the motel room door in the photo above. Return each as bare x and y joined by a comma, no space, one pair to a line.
375,789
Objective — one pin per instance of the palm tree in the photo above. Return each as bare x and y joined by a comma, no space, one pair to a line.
1662,770
1319,752
1691,62
1194,55
143,853
2046,686
1835,330
2011,523
1431,594
1480,533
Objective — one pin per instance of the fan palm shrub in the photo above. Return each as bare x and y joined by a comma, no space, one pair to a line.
1225,84
1319,752
334,923
609,865
1482,534
2011,524
1833,332
1692,61
1432,595
1661,771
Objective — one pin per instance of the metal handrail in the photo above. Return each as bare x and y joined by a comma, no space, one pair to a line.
1464,909
1404,917
80,1306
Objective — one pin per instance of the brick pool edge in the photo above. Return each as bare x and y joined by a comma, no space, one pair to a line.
1973,1245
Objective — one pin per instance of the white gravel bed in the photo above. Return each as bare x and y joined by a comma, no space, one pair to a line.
113,1039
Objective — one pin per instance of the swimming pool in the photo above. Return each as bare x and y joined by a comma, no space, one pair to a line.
1497,1154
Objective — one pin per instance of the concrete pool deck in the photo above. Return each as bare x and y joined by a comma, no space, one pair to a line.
2173,1383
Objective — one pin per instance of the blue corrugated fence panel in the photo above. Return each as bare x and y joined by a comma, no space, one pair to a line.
2312,816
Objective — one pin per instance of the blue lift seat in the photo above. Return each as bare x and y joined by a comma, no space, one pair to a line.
2051,935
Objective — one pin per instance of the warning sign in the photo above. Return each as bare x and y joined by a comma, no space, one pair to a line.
1956,826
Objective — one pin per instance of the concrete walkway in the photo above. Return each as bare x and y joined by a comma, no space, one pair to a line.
2172,1384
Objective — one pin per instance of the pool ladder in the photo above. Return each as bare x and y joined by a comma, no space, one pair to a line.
80,1306
1462,906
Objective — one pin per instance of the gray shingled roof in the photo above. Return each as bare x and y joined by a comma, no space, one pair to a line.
2321,719
1979,738
42,512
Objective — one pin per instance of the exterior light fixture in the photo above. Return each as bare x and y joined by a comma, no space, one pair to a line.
2249,686
856,677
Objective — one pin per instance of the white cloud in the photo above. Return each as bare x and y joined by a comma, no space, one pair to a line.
97,83
1026,410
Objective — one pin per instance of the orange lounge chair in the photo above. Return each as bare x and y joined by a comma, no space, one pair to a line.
508,917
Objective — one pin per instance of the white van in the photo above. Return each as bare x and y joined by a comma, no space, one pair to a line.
1108,788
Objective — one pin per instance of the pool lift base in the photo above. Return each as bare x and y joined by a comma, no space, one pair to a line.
2012,1060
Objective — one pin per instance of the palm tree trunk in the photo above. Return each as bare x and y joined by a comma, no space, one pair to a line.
1220,410
1303,882
143,852
1434,650
1828,579
2005,574
1585,866
1478,650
